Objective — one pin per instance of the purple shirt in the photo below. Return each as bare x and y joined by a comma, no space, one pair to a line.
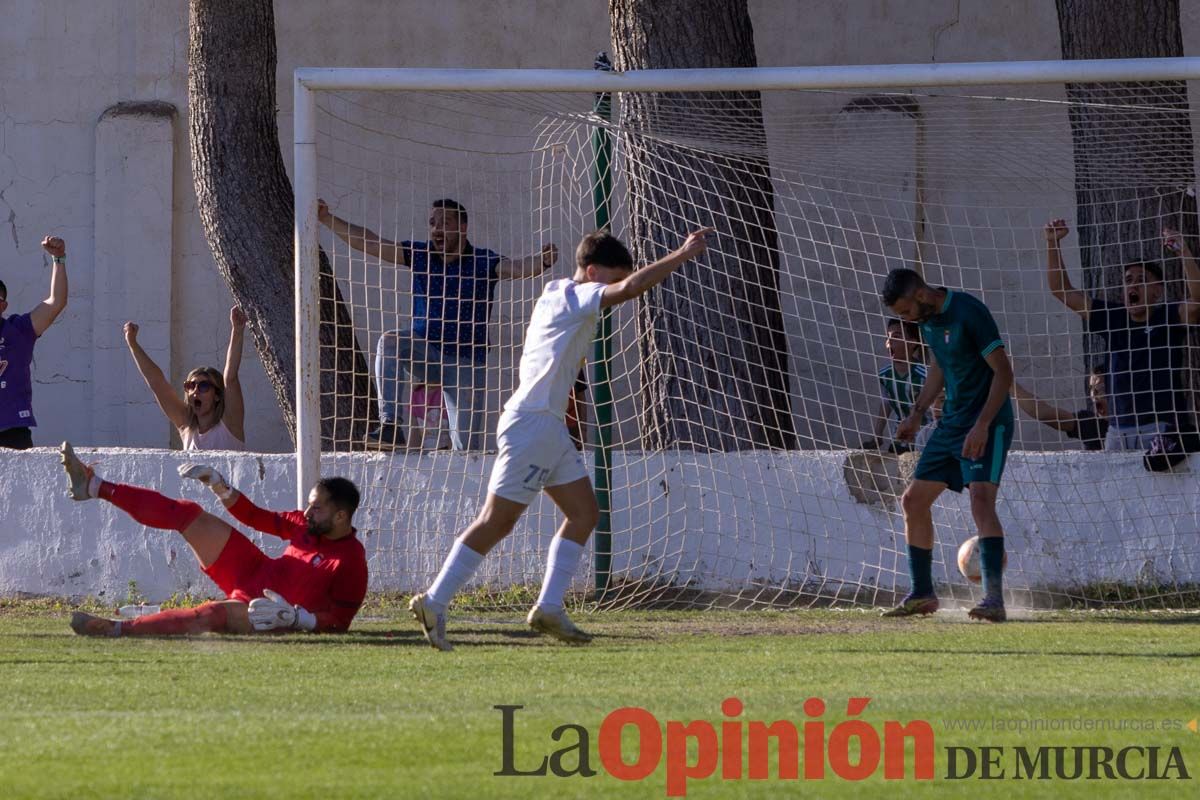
16,387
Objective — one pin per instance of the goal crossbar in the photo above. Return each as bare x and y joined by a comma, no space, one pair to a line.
309,80
748,78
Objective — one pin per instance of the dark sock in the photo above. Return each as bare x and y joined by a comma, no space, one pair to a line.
991,564
920,570
208,618
149,507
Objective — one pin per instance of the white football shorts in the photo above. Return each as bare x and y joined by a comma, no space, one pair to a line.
534,451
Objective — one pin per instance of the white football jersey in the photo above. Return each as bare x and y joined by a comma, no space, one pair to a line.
560,331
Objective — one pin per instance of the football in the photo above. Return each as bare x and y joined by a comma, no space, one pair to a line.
968,560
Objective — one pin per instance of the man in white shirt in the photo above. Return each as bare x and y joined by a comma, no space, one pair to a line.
535,451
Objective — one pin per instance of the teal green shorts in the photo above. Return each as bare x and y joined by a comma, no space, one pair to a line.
942,460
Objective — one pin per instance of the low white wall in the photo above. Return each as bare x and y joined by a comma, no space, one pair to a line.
709,522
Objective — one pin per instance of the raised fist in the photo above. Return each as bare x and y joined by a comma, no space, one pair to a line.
131,332
1172,239
237,317
55,246
1056,229
695,244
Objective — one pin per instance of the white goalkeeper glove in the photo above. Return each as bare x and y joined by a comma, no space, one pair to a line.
209,477
271,612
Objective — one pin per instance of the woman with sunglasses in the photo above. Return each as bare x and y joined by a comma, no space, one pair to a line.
211,413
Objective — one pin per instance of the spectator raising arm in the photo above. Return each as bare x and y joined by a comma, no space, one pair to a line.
175,409
1060,282
1190,307
362,239
235,407
528,266
48,310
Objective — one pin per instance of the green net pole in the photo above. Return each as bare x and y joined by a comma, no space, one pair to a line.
602,388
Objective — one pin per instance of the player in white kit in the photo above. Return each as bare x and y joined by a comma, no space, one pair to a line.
535,450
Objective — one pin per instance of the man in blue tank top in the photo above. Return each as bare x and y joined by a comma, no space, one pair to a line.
453,284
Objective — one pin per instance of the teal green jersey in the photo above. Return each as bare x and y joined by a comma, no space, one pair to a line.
961,335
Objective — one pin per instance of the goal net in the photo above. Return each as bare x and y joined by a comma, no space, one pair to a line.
740,419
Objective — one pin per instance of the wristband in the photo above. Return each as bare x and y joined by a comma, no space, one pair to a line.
58,260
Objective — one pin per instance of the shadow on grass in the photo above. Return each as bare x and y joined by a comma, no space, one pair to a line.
460,637
478,637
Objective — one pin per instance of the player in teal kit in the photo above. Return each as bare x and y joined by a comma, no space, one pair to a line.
971,441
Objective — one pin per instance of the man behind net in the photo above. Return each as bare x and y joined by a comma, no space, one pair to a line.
535,451
1147,339
453,283
971,442
318,584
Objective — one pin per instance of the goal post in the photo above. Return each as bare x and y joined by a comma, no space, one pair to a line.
817,522
307,291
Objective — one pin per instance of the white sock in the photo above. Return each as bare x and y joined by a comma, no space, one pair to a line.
560,569
94,486
458,568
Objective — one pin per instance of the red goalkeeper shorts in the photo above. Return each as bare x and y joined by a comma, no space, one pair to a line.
239,570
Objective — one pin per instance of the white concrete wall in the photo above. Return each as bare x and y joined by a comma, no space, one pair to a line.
780,521
64,62
134,197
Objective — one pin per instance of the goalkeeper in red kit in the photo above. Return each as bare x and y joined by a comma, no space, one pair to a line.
318,584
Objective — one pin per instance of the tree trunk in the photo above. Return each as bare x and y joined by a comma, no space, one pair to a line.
714,352
246,206
1131,167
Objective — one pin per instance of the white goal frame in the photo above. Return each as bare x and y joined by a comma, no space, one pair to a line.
307,81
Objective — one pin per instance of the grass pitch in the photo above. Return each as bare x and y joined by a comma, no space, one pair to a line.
376,713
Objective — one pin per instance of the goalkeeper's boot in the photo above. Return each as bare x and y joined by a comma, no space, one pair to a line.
989,609
433,623
913,605
556,624
90,625
78,474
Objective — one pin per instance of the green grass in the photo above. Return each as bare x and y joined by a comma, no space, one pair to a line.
375,713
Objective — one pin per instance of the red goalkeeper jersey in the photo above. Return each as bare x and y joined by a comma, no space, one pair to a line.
326,577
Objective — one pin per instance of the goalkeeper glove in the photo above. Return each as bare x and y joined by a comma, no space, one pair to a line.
271,612
209,477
